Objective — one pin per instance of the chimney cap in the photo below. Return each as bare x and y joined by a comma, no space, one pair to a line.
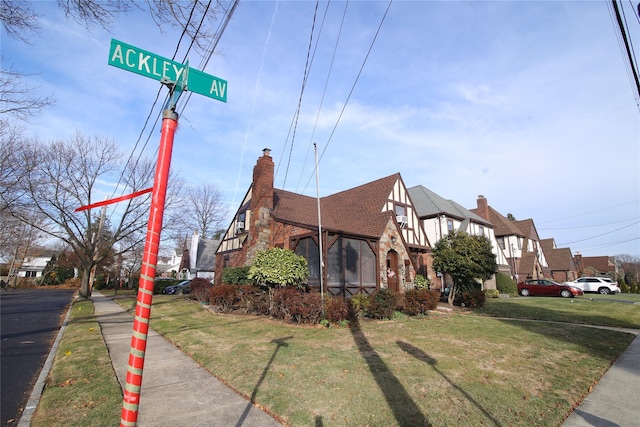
480,196
266,151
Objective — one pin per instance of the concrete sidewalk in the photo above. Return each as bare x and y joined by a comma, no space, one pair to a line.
614,400
176,391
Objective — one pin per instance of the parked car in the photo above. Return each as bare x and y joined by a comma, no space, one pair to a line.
547,287
180,288
602,285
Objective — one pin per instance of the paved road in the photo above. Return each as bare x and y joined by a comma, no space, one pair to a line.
29,322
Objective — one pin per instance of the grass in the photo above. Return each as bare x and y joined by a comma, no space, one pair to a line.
445,369
81,389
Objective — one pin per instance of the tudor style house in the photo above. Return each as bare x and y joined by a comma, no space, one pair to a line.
519,242
562,267
370,236
440,217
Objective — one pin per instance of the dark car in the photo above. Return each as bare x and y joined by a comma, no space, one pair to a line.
180,288
547,287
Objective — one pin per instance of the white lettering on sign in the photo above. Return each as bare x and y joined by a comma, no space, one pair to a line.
145,63
218,88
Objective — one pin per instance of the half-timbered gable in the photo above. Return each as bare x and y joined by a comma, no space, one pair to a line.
368,236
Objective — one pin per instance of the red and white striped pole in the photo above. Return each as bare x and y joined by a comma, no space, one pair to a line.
148,273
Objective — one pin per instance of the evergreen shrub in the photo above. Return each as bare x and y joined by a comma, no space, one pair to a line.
382,304
236,276
505,284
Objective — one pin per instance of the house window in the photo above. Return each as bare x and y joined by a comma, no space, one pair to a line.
30,273
351,268
450,225
500,241
308,249
481,230
401,210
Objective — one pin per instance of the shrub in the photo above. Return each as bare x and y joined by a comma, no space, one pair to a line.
279,267
492,293
292,304
199,289
505,284
421,282
223,297
360,303
253,299
474,298
339,310
236,276
420,301
382,304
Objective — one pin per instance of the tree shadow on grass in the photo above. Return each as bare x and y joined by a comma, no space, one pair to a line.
405,410
424,357
280,342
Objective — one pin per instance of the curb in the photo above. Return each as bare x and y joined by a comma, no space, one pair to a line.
36,393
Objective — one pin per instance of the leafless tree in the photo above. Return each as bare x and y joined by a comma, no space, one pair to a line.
196,17
18,18
17,98
67,176
201,209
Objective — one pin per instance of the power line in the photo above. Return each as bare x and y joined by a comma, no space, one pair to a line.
352,89
599,235
587,226
590,212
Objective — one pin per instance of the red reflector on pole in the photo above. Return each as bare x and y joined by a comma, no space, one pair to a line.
116,200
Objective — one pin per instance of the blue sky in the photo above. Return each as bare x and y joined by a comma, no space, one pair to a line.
527,103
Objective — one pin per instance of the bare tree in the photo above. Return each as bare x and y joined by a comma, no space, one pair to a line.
67,176
18,18
201,209
196,18
17,98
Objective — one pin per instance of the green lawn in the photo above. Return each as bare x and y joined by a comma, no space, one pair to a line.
463,369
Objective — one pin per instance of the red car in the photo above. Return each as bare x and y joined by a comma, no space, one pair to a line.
548,288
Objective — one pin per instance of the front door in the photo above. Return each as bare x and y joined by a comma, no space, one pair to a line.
393,282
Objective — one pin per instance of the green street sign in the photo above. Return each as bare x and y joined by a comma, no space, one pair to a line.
156,67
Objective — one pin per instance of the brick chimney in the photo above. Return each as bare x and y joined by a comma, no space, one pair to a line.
260,233
262,193
483,207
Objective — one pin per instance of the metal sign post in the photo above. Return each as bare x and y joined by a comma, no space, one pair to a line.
177,77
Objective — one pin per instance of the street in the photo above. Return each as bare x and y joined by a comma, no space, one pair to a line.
29,322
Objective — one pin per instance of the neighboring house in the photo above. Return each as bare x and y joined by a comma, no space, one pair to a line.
371,235
198,258
598,266
440,217
33,266
561,264
518,240
169,265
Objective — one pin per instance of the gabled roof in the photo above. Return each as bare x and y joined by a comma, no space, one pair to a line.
355,211
429,204
602,264
206,257
528,229
501,225
558,259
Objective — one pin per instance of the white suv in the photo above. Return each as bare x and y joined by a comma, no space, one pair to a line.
602,285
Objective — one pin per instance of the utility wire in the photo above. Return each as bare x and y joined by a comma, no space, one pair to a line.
599,235
590,212
352,89
307,68
326,85
587,226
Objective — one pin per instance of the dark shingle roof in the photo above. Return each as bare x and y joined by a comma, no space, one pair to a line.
429,204
356,211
